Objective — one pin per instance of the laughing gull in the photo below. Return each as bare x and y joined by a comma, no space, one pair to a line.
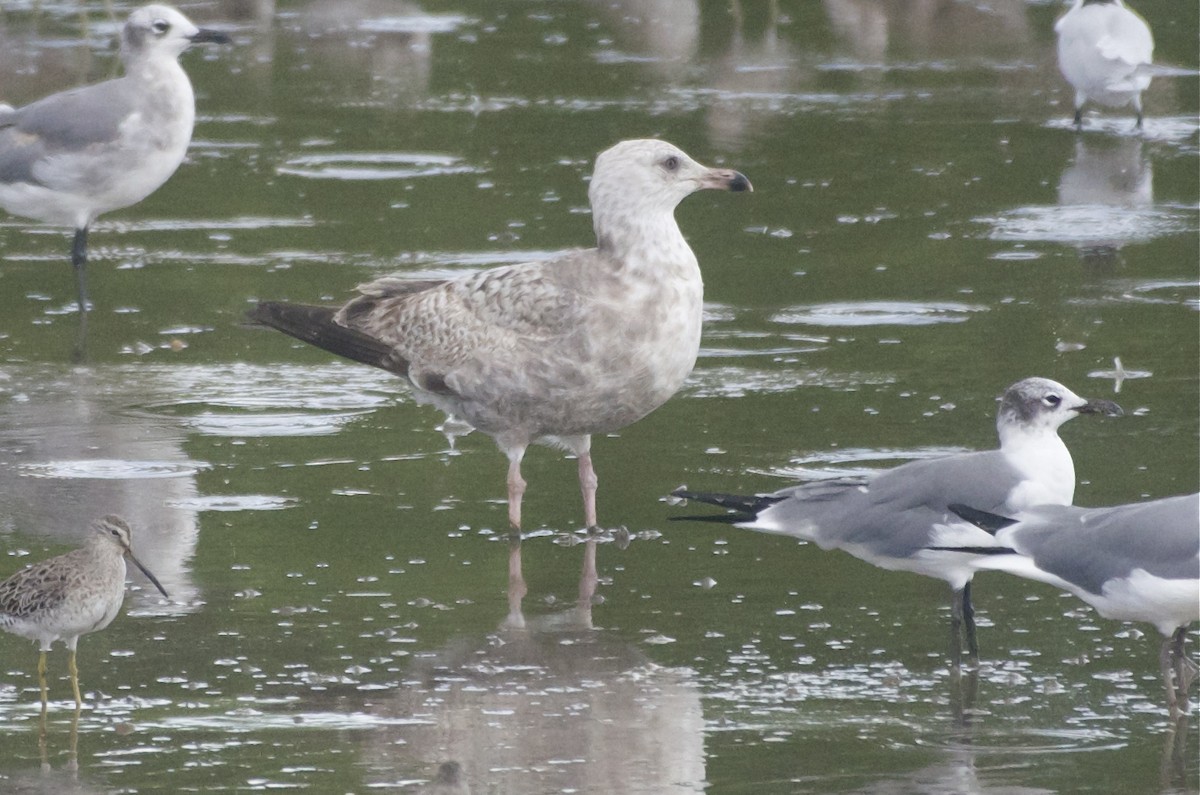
77,154
891,519
1104,51
1137,562
551,351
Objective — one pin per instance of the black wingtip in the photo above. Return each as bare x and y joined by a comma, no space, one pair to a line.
989,522
316,326
976,550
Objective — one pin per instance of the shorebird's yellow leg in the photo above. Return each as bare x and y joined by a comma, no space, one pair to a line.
74,678
42,677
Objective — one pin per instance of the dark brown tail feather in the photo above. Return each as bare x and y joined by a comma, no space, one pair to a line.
315,325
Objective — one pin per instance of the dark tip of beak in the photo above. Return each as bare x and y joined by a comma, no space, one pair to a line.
149,576
210,36
1105,407
739,183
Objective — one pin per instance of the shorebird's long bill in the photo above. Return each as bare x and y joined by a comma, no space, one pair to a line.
212,36
149,576
1105,407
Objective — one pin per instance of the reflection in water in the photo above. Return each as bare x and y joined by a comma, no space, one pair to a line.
1115,179
68,456
620,723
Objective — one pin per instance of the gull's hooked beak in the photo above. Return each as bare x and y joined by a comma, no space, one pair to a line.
129,554
726,179
1105,407
201,36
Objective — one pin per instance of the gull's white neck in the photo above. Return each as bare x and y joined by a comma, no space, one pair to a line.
1044,462
648,242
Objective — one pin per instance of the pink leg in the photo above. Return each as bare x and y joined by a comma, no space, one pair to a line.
516,583
516,489
587,485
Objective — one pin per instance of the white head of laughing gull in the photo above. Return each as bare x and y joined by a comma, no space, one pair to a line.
550,351
1136,562
1104,51
72,156
891,519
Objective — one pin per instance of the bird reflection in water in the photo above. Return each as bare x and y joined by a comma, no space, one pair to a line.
544,703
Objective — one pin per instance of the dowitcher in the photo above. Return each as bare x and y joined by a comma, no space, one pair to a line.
71,595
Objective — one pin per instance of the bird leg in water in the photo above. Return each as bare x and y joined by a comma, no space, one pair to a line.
587,486
79,260
74,671
41,671
516,489
968,613
1185,669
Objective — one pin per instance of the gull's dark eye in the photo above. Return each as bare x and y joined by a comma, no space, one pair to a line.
160,26
671,163
1052,400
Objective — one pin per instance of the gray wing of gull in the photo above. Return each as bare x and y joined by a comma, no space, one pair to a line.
61,125
893,514
1087,547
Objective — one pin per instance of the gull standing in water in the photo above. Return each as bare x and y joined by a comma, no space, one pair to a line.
891,519
1137,562
1104,51
551,351
71,595
72,156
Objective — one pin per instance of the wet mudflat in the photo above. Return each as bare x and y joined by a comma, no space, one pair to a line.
926,228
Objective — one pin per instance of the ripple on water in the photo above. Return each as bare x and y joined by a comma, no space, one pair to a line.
878,313
112,469
234,502
1089,225
375,166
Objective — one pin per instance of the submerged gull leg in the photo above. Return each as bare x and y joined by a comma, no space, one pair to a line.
1166,660
956,622
79,261
1185,668
516,583
968,614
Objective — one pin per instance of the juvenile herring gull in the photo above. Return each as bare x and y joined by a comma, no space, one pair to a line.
892,518
72,156
551,351
1136,562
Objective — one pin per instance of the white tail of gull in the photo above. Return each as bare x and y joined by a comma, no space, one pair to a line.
1105,51
551,351
891,519
1136,562
72,156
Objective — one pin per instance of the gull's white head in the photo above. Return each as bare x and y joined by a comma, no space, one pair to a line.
162,29
1038,405
639,181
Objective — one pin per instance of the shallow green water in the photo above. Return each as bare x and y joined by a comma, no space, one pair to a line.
925,229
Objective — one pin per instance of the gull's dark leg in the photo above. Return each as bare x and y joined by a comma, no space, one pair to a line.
79,261
1166,663
956,621
1185,668
968,613
1079,118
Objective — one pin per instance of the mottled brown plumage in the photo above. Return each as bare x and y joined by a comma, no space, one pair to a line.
71,594
550,351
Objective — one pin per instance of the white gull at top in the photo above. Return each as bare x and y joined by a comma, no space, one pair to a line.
72,156
550,351
1105,51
